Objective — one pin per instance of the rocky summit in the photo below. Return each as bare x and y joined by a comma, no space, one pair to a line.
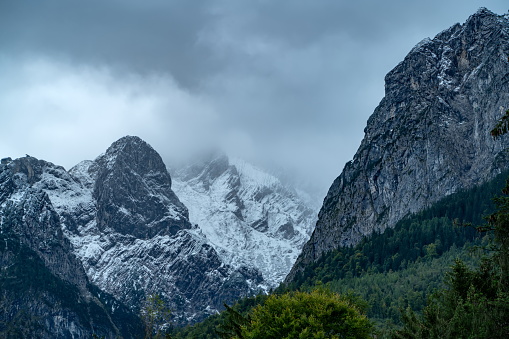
132,189
122,226
429,136
116,223
134,238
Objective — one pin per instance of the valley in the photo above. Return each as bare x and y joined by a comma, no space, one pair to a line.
219,240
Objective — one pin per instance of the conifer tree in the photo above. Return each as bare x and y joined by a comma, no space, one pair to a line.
156,316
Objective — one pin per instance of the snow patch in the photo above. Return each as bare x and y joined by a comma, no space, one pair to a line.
249,217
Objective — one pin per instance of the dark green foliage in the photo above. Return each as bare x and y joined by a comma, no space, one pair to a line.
472,306
411,240
389,292
403,266
232,326
229,323
210,327
205,329
318,314
502,127
422,236
475,303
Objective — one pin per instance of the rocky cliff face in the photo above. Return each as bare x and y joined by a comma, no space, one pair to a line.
429,136
132,189
32,217
45,291
134,237
116,222
247,215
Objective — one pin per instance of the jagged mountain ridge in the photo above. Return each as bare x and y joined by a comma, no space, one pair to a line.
248,215
133,236
429,136
45,291
129,234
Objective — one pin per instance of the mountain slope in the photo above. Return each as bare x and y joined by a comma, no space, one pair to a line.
45,291
401,267
428,138
117,223
247,215
134,238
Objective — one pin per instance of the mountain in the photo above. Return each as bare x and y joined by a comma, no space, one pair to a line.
116,223
134,238
45,291
132,190
248,216
114,228
428,137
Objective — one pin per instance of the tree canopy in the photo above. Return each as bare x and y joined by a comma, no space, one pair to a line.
318,314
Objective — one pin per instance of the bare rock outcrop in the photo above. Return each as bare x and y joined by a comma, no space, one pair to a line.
428,137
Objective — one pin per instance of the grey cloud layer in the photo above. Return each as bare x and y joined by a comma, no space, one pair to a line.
286,83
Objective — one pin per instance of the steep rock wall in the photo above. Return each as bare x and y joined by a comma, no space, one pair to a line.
428,138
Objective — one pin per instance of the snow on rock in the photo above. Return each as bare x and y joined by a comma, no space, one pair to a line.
148,246
247,215
133,236
129,230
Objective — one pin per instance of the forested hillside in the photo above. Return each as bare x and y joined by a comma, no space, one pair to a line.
397,227
402,266
428,234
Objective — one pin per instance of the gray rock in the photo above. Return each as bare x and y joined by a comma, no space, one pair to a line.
428,137
133,192
249,216
134,238
114,222
45,290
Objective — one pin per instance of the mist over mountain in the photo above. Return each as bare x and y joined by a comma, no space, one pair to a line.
249,216
128,232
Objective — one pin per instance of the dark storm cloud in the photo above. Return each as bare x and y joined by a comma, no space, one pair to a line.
150,36
142,36
289,84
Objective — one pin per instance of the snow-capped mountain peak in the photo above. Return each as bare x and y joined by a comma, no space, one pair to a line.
247,215
125,224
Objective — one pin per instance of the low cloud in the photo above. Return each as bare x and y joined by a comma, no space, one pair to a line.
66,113
288,85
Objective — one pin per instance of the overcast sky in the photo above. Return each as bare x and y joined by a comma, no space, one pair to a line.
288,85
